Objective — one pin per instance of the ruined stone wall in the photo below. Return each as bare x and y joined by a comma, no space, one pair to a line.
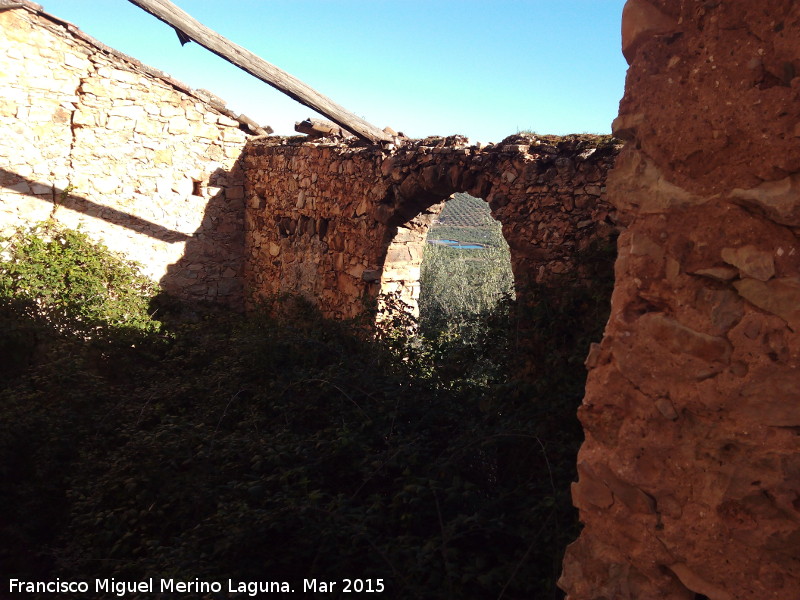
342,223
690,474
95,139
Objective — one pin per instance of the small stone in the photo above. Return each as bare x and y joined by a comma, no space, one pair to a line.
641,245
227,121
149,127
387,165
183,186
106,185
509,176
625,126
779,200
726,309
679,339
717,273
591,491
119,123
750,261
169,110
780,297
178,124
672,269
234,192
118,75
74,61
565,166
371,275
752,329
666,408
739,369
592,190
640,22
593,356
129,112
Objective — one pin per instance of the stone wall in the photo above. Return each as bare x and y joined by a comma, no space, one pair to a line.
690,473
95,139
341,223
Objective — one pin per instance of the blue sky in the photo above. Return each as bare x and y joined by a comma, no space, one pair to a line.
481,68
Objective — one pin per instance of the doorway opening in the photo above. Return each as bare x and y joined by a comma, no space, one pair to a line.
466,266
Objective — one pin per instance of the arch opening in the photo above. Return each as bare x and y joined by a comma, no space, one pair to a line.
466,267
449,261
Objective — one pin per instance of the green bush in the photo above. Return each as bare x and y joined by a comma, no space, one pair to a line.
78,286
457,283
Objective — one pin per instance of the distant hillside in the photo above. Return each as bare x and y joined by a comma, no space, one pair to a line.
466,219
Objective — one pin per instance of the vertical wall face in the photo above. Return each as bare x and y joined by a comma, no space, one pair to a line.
137,160
690,473
340,224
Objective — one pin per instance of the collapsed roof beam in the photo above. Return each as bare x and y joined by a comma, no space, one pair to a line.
189,29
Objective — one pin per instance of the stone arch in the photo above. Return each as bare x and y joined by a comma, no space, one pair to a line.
428,193
378,204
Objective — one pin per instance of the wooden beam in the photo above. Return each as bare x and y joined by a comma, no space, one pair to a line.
166,11
320,128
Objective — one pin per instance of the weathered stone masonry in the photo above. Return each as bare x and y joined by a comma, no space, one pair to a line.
342,223
690,474
95,139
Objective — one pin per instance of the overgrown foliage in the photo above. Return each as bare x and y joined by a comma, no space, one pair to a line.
281,446
458,284
76,285
56,286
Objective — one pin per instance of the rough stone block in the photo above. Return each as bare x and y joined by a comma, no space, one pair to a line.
170,110
119,124
779,296
226,121
77,62
178,124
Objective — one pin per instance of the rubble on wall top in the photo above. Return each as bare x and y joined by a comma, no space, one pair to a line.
319,132
247,124
528,144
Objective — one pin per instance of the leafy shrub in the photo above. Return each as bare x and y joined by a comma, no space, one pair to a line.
78,286
457,283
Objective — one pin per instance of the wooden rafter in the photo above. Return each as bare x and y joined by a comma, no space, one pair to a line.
190,29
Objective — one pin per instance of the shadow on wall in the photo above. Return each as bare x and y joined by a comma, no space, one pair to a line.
209,266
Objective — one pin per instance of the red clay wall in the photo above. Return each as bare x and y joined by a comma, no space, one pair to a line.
690,473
